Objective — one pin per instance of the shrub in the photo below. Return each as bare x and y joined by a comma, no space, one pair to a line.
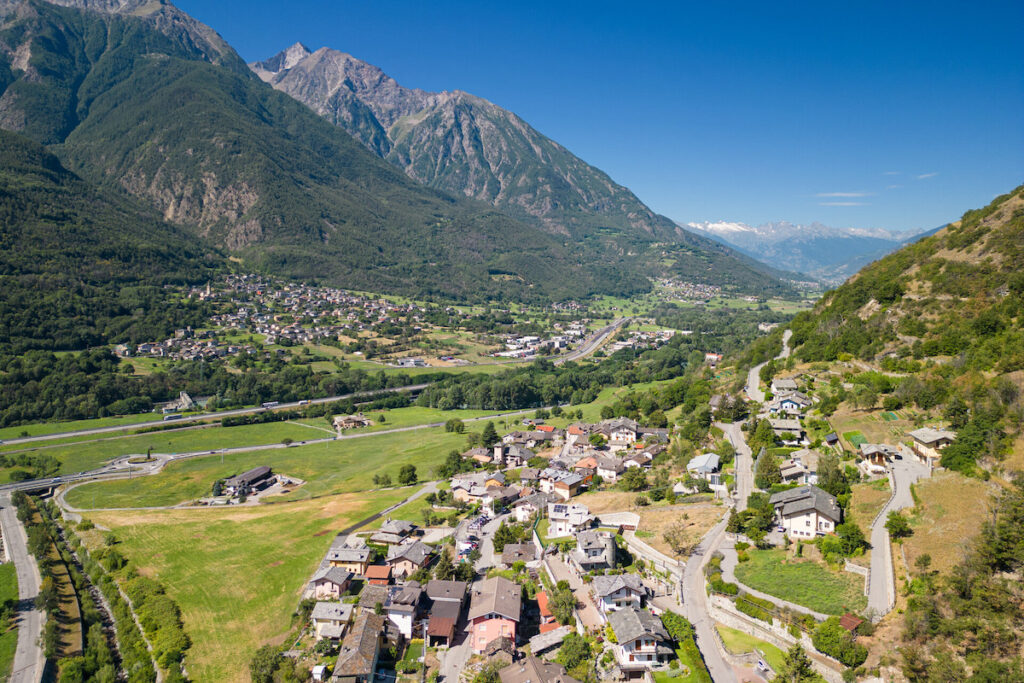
835,641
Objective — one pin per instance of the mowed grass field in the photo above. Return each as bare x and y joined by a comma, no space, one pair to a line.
406,417
87,455
804,582
237,573
78,454
44,428
8,639
328,468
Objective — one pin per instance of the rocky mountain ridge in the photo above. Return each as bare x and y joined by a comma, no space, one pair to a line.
466,145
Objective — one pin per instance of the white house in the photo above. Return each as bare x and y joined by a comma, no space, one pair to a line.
609,468
527,507
565,519
806,512
780,385
643,642
612,593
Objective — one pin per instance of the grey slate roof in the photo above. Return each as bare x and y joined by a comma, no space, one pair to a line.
335,575
371,595
606,585
360,647
334,611
927,435
535,670
545,641
446,590
518,552
795,501
631,623
416,552
348,554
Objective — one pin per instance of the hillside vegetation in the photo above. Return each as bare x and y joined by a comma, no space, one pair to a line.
936,328
941,324
81,266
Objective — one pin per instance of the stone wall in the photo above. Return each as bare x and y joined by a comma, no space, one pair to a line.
724,612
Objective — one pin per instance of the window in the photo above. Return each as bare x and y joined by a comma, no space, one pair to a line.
808,522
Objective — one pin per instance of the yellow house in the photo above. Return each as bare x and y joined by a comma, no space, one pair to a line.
928,444
355,560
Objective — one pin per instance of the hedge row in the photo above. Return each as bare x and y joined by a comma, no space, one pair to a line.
161,620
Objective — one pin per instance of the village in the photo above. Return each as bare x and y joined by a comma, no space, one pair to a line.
531,576
262,318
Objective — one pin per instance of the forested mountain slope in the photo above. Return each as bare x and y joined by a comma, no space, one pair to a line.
140,97
81,266
137,98
956,294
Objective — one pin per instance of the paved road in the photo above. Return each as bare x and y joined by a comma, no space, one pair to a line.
589,615
212,416
28,657
591,344
744,462
696,608
882,583
754,392
453,661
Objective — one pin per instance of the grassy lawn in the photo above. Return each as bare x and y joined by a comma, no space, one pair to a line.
410,416
44,428
237,574
78,457
738,643
865,502
327,468
803,582
697,671
9,639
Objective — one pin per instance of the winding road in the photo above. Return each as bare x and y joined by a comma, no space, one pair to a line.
882,582
754,392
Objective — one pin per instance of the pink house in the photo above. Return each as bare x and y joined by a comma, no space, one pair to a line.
494,612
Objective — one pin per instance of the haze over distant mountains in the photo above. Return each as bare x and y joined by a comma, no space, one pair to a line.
827,254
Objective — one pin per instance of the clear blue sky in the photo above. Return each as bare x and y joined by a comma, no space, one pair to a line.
899,115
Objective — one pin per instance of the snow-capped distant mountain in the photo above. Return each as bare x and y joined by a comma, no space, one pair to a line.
825,253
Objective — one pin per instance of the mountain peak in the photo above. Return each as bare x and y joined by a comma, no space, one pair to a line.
282,61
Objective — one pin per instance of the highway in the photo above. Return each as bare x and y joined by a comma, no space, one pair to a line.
213,416
591,344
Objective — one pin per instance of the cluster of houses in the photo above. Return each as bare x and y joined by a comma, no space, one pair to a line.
187,344
926,445
786,409
690,291
565,474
